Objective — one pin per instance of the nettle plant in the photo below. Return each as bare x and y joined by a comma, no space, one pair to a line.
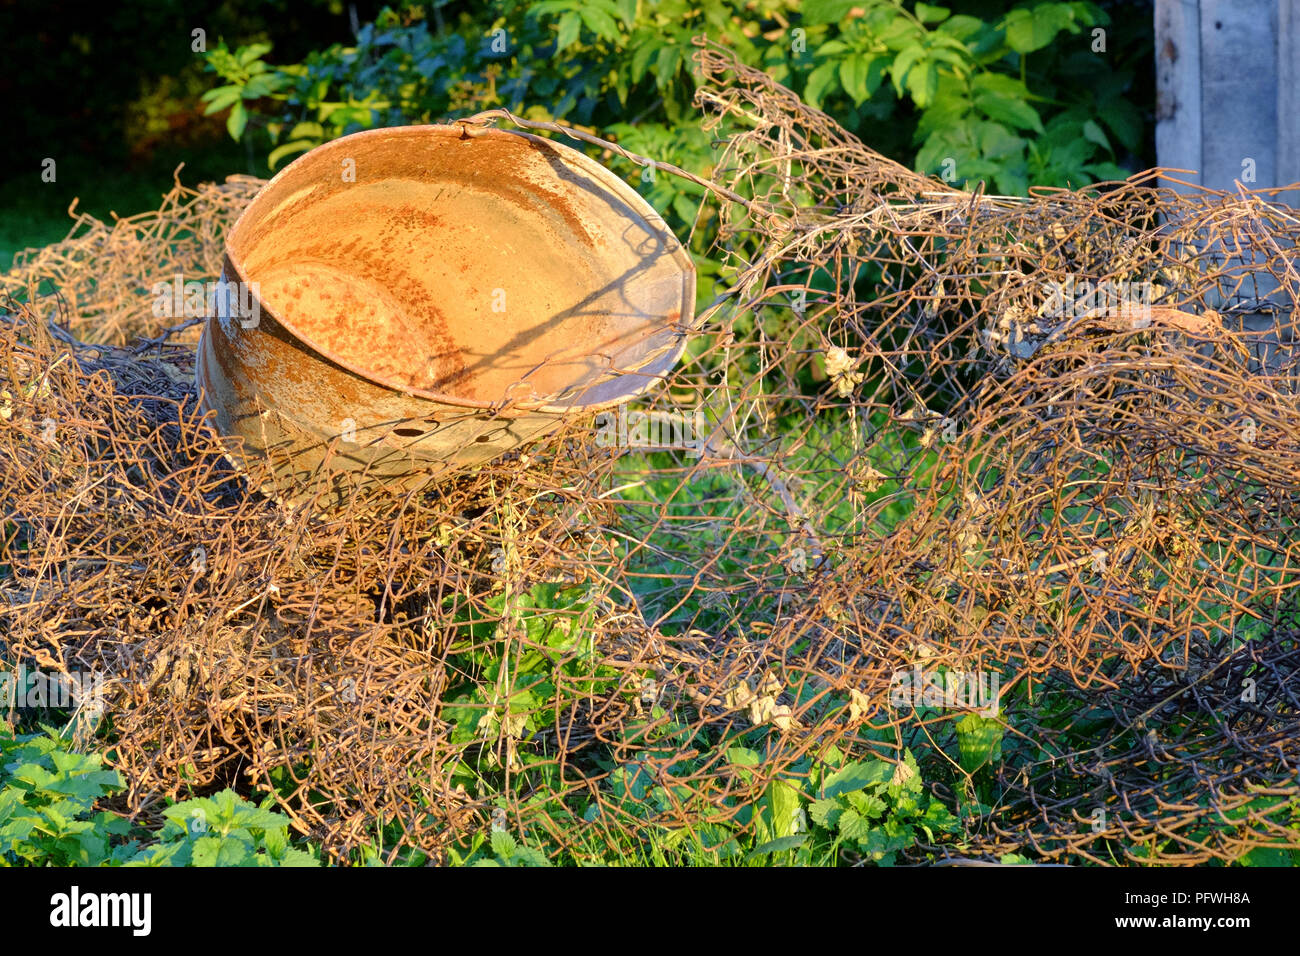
50,815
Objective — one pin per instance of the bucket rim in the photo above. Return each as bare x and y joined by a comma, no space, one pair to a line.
665,358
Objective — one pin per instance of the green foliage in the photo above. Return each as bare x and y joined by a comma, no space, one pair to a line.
978,116
821,811
979,739
49,796
870,809
551,646
247,78
398,72
223,830
500,849
953,92
47,804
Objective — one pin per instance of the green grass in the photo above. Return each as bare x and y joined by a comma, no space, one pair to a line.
34,213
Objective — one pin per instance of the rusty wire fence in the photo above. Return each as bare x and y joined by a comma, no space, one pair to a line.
998,491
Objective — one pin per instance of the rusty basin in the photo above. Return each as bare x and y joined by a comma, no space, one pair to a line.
418,300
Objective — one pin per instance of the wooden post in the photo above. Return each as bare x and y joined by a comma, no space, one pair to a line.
1228,108
1227,94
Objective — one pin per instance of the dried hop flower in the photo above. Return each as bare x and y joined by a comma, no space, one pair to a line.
841,368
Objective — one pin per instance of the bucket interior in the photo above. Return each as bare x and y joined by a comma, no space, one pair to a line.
477,268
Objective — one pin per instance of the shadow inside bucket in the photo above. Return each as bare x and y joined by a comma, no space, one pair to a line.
430,299
461,266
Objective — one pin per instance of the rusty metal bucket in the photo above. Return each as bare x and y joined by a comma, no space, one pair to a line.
417,300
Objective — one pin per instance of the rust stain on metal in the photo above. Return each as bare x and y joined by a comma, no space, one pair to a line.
414,275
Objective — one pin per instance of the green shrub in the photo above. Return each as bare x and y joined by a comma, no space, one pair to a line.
953,93
49,796
47,804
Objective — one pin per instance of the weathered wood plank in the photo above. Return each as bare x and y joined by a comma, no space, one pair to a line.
1288,97
1228,106
1239,81
1178,86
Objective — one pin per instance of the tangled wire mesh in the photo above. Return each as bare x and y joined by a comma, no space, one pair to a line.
928,440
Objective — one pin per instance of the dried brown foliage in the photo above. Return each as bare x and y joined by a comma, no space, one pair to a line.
908,462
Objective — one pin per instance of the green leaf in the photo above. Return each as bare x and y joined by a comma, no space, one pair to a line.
276,842
600,23
627,10
1012,182
947,114
923,81
1030,30
881,842
236,121
779,845
858,776
982,41
909,776
853,826
860,75
261,85
819,81
815,12
1069,156
219,851
254,51
527,856
685,207
980,740
957,59
1093,133
223,97
1268,856
641,58
928,14
867,804
569,28
1123,119
288,149
503,844
33,774
179,853
1012,112
670,58
292,857
308,130
1001,84
247,815
1105,172
903,64
17,830
962,26
940,818
547,7
783,808
825,813
998,142
1089,14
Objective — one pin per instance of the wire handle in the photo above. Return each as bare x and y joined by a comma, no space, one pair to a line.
487,116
